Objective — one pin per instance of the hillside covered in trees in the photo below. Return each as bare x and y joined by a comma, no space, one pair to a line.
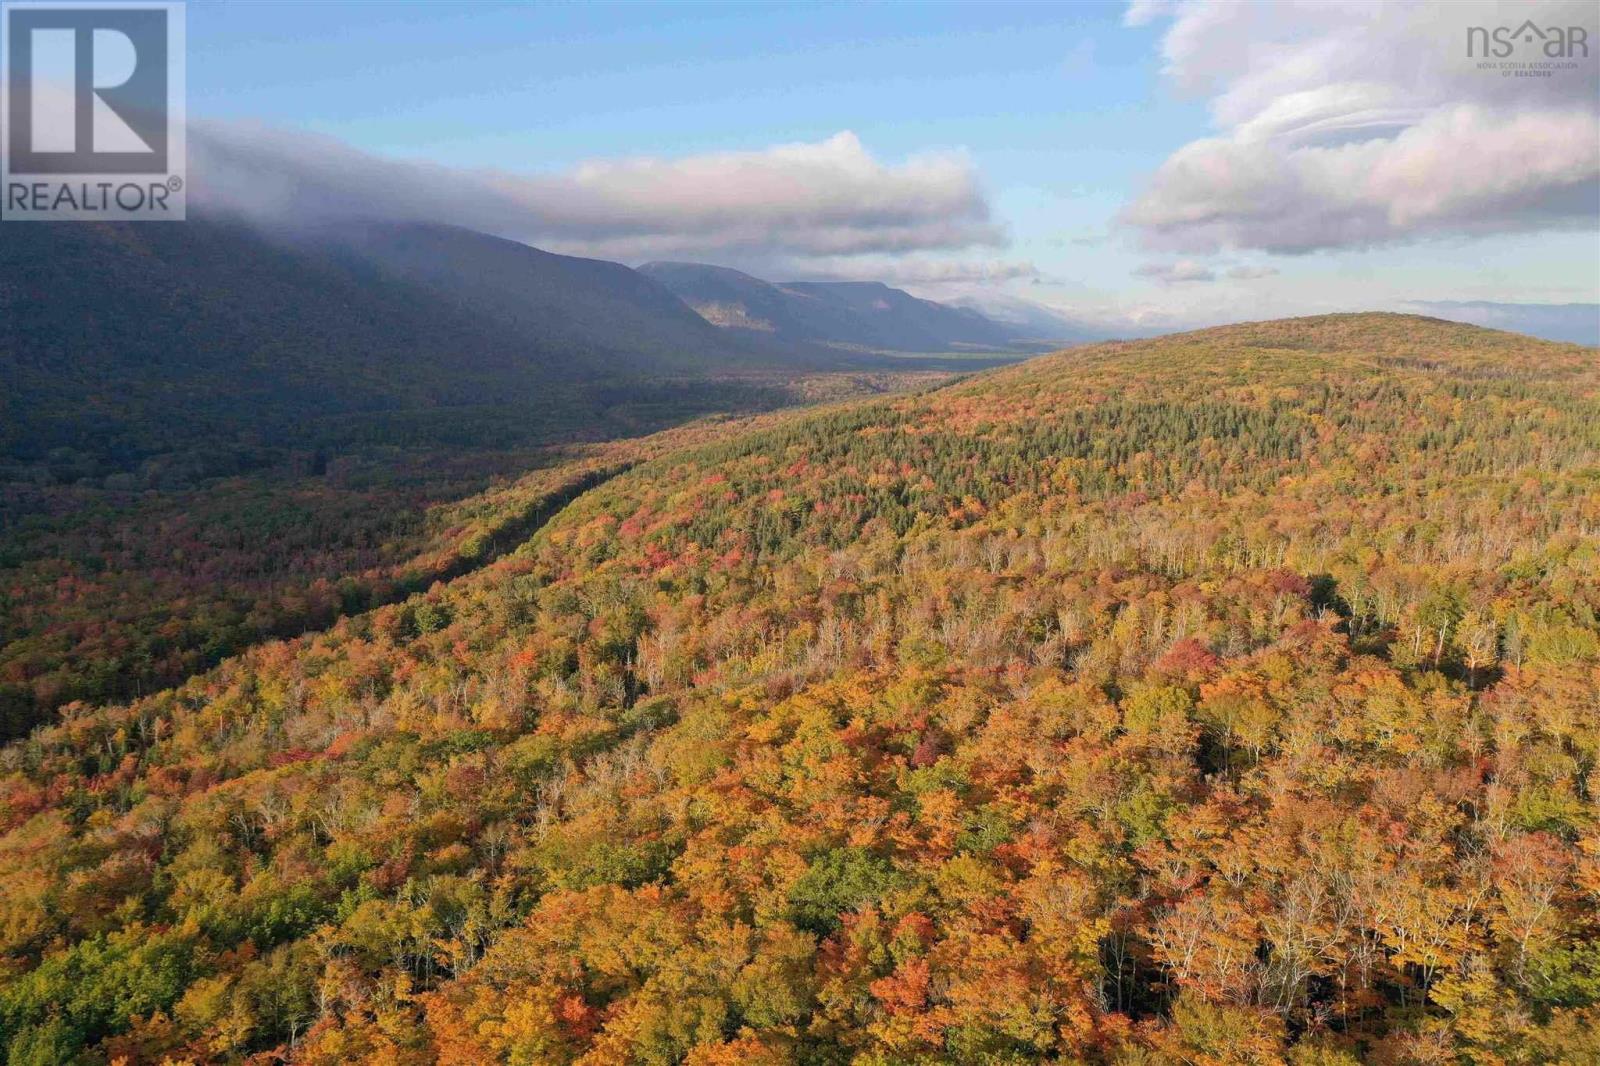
843,315
1224,698
119,588
155,356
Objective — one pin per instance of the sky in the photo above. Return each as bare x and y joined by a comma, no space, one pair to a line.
1144,165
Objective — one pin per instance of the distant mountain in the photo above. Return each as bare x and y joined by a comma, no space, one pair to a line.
122,341
896,320
596,315
1030,320
1575,323
862,316
212,340
735,300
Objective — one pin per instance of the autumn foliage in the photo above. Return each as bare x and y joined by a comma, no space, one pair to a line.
1227,698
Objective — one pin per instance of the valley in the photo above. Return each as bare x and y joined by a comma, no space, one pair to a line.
800,534
119,586
1222,697
216,434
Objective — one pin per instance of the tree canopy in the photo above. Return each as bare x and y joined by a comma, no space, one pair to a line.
1224,698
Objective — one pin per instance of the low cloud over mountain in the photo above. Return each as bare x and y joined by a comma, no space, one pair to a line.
826,200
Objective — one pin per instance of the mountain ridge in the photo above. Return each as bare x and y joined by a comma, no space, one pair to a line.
847,315
119,342
844,719
221,341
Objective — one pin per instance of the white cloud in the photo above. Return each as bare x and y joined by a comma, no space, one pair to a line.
1181,272
912,270
828,199
1187,271
1351,124
1143,12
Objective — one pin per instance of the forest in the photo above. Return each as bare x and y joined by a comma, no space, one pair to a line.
1231,697
119,585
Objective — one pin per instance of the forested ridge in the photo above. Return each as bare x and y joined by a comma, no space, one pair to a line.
110,590
165,358
1224,698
